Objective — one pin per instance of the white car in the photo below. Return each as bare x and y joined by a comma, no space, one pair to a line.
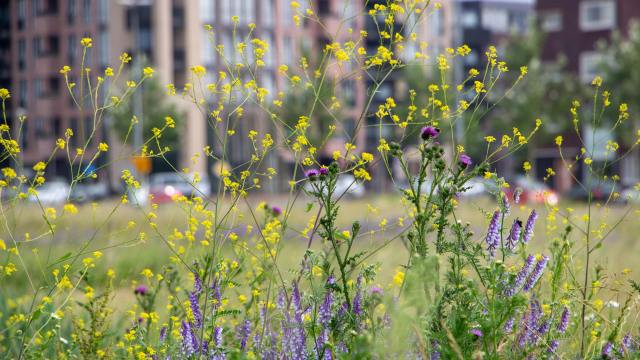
346,185
165,185
52,192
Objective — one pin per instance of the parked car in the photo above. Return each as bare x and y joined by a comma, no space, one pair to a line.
532,191
53,192
476,186
600,190
89,191
164,186
346,185
630,195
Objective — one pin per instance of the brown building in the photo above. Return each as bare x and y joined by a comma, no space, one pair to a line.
574,27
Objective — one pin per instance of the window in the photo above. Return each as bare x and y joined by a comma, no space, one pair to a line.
22,13
597,15
267,13
324,7
37,46
287,51
589,65
71,11
23,94
71,49
495,19
551,21
37,88
22,54
207,10
225,11
103,12
104,48
208,50
287,16
469,19
86,11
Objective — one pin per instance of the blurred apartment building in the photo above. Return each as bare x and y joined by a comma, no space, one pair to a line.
573,29
169,35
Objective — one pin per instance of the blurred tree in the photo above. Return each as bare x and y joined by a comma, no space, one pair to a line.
546,92
156,107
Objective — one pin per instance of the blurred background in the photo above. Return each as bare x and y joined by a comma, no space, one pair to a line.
565,44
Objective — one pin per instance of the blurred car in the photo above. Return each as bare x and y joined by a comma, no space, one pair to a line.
53,192
630,195
532,191
163,187
476,186
346,186
599,189
89,191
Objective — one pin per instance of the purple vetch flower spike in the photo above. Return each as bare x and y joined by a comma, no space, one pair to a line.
429,132
195,309
493,234
163,334
626,344
505,204
189,341
607,350
521,276
536,273
544,328
516,195
217,336
435,350
564,320
324,312
197,283
514,234
243,331
528,228
508,326
553,347
357,300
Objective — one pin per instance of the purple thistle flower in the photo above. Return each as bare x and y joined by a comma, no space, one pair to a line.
528,228
521,276
189,341
429,132
312,173
464,161
607,350
514,234
493,235
276,211
476,332
536,273
140,290
323,171
376,290
564,320
195,309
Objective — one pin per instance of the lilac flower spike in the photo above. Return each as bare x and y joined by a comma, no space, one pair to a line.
514,234
493,234
528,228
607,350
521,276
536,273
429,132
